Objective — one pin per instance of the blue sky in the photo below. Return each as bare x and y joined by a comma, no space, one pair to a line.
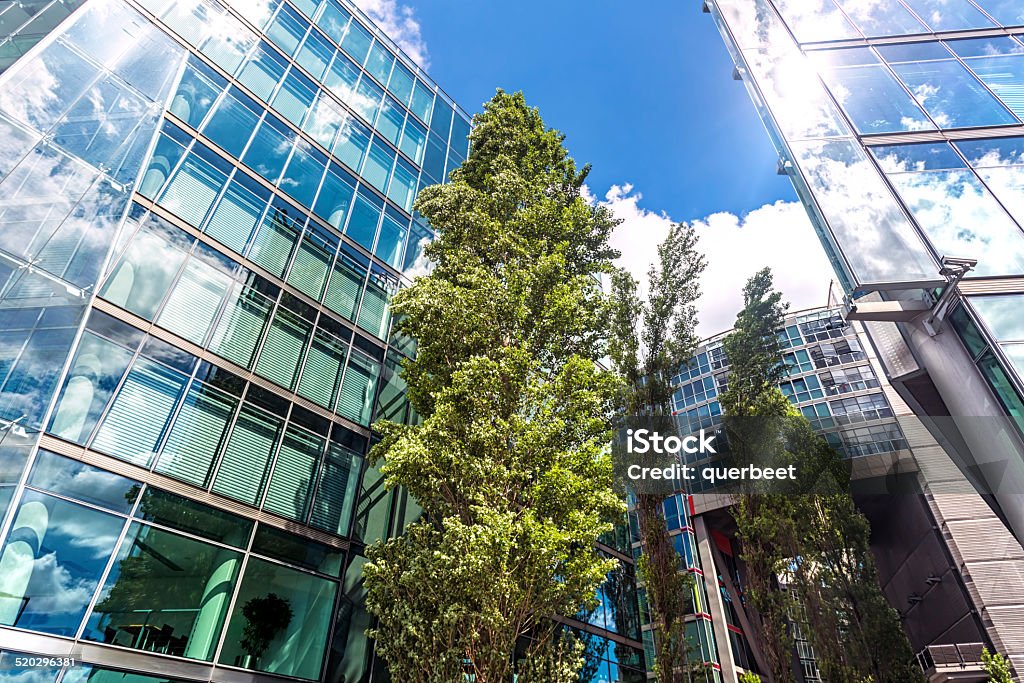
642,95
644,92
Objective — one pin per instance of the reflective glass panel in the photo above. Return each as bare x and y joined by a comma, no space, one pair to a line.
851,195
197,434
950,94
142,276
165,593
1006,12
1002,315
950,205
243,468
291,481
1002,70
233,122
135,423
869,93
74,479
95,372
1000,163
949,15
296,645
52,561
269,148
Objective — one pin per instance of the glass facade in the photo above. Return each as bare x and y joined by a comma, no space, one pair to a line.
206,208
901,124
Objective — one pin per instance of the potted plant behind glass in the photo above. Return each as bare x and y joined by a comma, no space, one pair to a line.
265,618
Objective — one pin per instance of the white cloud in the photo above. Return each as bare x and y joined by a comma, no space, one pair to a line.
776,235
400,24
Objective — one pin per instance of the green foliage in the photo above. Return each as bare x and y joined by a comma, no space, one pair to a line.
807,552
510,463
996,666
265,617
648,343
750,677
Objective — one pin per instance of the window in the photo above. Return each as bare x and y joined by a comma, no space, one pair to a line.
196,298
243,322
262,72
333,20
355,400
379,63
422,103
315,54
1001,315
297,648
233,122
198,88
390,120
237,213
949,15
362,223
999,63
802,389
373,314
346,283
197,434
269,148
305,169
282,351
950,203
817,21
312,261
946,90
197,182
287,29
335,196
243,468
321,376
1006,12
352,143
295,98
393,231
356,42
291,482
377,167
275,238
336,492
165,593
401,83
95,372
325,120
841,381
868,407
54,556
1000,163
402,190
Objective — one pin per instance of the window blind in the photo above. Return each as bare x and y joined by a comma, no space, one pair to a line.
309,271
346,283
322,372
336,493
196,435
242,326
355,399
192,190
292,480
139,414
274,242
194,302
234,218
243,467
283,348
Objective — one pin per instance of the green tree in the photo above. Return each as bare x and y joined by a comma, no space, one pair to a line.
510,462
649,341
806,551
749,677
996,666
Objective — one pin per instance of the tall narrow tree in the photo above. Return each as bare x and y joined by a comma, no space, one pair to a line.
650,340
510,461
806,551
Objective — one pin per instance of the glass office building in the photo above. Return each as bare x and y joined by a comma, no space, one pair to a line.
204,210
900,126
941,552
